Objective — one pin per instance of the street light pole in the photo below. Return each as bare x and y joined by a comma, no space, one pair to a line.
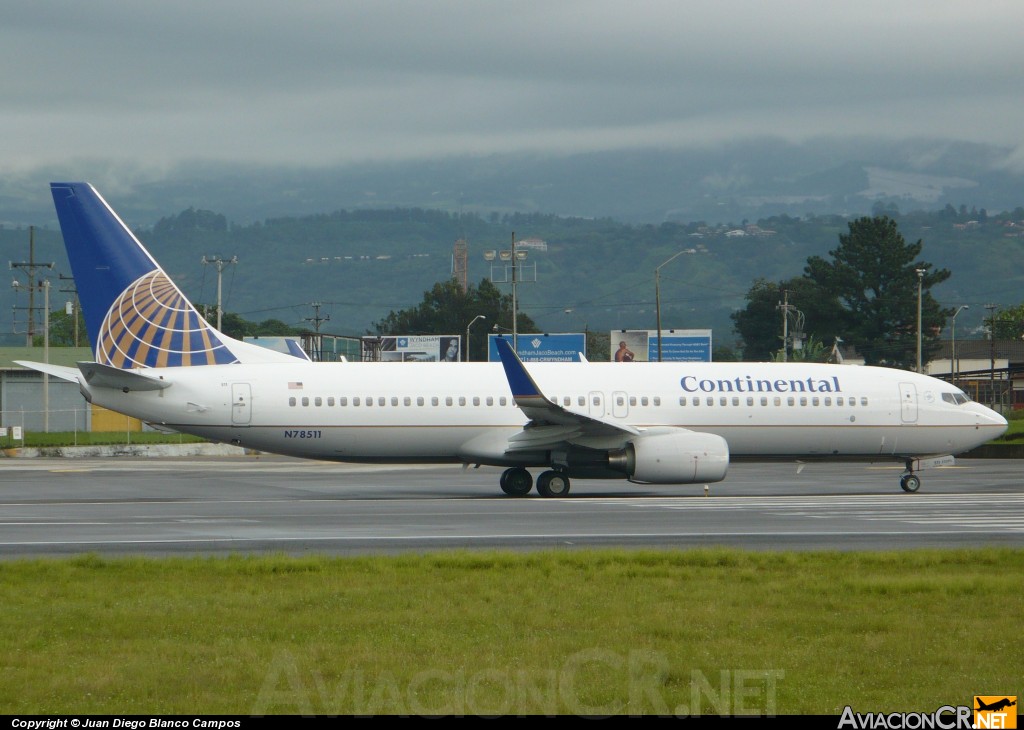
992,352
920,279
46,355
479,316
956,363
657,296
586,330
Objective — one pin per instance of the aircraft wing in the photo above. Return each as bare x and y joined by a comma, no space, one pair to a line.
550,424
58,371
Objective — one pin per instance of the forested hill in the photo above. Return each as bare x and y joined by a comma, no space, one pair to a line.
362,264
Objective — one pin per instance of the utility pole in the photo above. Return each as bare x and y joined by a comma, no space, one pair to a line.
992,351
30,267
317,342
785,307
74,306
316,319
920,279
220,264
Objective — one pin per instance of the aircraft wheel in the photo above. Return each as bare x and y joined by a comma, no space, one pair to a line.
516,482
910,483
552,484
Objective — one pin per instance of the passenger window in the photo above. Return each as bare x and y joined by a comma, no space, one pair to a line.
657,400
291,401
828,401
305,401
476,400
434,401
502,401
764,400
839,400
407,401
394,400
682,400
750,401
490,400
318,401
723,401
462,400
791,401
643,401
369,401
778,401
735,401
355,401
448,401
619,400
343,401
580,400
863,401
381,401
419,400
814,401
710,401
803,400
330,400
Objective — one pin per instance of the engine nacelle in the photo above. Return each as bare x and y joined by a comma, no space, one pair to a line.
677,456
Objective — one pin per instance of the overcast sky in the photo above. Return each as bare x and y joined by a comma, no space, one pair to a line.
150,84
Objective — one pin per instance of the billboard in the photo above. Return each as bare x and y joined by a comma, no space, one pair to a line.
420,348
676,345
558,347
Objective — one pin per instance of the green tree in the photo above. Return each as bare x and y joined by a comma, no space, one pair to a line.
759,324
874,275
1009,323
62,330
233,325
812,350
447,310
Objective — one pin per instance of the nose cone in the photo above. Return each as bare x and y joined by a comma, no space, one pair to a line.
991,423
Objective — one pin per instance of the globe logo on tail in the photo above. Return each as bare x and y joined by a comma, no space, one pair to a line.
153,325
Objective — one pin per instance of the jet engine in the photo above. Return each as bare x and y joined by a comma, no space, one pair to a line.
673,456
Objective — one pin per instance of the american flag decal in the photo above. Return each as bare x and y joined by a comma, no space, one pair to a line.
294,385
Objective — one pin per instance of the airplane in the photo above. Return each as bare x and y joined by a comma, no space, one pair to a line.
159,360
995,706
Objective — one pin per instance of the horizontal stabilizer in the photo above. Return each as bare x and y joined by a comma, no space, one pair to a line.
106,376
58,371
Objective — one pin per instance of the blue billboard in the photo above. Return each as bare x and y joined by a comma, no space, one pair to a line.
676,345
559,347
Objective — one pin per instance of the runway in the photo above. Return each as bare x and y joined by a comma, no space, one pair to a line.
122,506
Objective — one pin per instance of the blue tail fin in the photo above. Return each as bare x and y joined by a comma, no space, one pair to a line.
135,315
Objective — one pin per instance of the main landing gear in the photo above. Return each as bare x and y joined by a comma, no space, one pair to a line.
517,482
910,482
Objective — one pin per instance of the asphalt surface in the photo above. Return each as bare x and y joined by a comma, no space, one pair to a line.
201,506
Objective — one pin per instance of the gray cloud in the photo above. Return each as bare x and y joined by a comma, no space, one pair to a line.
309,82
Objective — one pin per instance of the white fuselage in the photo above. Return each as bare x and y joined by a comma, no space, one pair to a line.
464,412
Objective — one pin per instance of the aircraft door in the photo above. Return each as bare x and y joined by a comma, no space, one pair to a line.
908,403
595,401
241,404
620,404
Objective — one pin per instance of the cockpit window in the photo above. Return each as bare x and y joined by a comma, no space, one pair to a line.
957,398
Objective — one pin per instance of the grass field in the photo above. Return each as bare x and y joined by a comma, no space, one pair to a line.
710,631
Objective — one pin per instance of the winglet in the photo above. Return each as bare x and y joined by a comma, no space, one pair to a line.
294,349
524,389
